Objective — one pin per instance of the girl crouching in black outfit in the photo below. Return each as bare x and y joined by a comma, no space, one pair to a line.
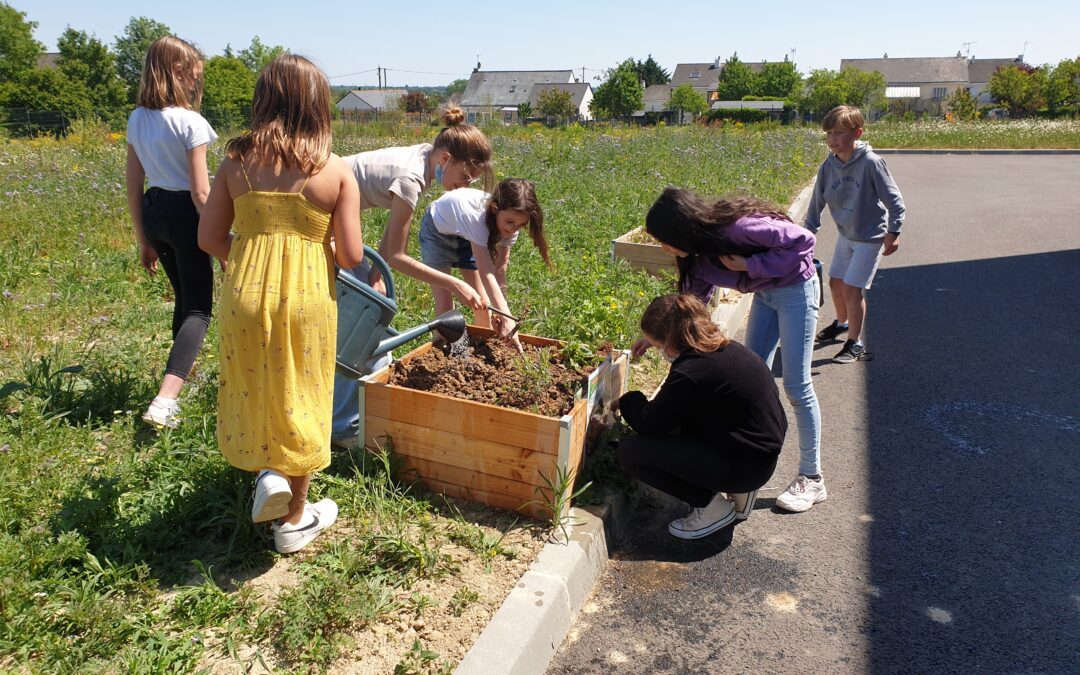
712,434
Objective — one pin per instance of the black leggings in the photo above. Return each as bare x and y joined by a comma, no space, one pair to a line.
171,224
690,469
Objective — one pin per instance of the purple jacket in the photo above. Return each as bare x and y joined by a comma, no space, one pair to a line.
789,259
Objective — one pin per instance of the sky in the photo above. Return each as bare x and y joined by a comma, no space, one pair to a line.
432,43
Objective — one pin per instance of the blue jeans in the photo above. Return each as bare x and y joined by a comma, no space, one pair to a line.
788,317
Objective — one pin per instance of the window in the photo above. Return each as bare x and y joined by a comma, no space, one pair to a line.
695,75
939,92
513,88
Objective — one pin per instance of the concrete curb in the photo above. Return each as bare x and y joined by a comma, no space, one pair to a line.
977,151
533,620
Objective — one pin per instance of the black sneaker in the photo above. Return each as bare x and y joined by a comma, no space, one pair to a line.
831,332
851,353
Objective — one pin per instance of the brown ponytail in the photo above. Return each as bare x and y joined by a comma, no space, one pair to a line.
466,144
683,324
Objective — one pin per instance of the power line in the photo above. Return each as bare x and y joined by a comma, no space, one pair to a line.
361,72
396,70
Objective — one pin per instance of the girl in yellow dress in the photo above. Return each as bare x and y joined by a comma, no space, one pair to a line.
282,194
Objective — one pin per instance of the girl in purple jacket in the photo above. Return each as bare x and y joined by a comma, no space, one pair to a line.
751,246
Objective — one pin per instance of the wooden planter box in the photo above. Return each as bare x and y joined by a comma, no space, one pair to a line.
648,257
481,452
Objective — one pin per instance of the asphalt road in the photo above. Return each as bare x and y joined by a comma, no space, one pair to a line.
950,541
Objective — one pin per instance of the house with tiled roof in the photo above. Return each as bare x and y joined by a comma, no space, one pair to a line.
496,94
704,77
922,82
370,100
979,72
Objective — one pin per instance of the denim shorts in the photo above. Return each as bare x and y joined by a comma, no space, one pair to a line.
443,251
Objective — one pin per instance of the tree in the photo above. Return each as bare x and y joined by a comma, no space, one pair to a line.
962,104
48,89
413,102
1063,87
825,89
779,80
863,90
227,90
736,80
85,59
131,48
555,103
620,94
1019,89
19,50
650,72
456,87
686,98
257,55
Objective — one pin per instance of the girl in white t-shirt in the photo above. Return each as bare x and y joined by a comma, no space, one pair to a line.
166,155
473,231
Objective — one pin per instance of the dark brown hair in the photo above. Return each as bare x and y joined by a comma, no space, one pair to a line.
171,75
682,323
690,223
466,144
517,194
290,116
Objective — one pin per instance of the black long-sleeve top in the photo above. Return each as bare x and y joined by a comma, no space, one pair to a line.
727,397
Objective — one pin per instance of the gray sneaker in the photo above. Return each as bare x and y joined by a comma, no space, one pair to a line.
701,522
802,494
743,503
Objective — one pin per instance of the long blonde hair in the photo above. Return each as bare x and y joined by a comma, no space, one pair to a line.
466,144
290,116
171,75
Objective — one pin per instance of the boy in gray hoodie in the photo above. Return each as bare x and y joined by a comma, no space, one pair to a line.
868,209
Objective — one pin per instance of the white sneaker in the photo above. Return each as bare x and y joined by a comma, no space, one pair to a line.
317,517
163,413
272,496
743,503
701,522
802,494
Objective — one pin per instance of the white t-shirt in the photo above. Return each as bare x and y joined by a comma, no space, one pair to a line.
162,139
463,212
391,171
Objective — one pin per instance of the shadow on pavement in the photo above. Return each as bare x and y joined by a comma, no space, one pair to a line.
973,396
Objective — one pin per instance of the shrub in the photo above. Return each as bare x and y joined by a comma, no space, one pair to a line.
744,115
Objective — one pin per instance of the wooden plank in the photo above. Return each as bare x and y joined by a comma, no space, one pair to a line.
470,480
535,511
459,416
511,462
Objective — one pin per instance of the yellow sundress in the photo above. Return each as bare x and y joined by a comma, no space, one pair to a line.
278,335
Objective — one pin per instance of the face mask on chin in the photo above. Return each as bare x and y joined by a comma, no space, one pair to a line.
438,173
668,357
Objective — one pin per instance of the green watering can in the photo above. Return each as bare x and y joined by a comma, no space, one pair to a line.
364,317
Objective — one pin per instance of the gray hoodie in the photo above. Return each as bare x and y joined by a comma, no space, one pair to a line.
862,196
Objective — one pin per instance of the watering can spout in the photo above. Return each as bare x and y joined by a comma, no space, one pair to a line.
450,325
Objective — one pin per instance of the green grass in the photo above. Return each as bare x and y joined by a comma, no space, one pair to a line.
119,546
1007,134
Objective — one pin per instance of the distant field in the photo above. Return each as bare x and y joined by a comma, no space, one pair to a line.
1005,134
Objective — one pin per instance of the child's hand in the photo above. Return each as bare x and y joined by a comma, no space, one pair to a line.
148,258
376,282
639,348
735,263
468,295
892,242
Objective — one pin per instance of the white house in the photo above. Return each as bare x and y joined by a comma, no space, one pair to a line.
370,100
581,95
496,94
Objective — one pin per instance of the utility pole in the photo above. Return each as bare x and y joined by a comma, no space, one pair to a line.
378,74
583,73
